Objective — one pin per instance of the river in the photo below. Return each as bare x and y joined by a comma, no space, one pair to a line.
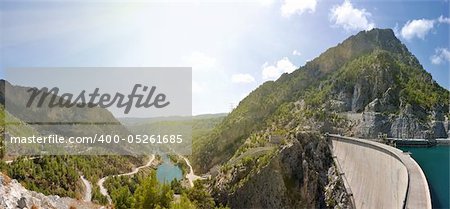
434,162
167,171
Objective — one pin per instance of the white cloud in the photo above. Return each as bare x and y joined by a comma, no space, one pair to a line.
350,18
242,78
200,62
443,19
417,28
272,72
296,53
421,27
291,7
441,55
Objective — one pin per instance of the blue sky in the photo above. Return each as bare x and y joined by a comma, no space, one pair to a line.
233,46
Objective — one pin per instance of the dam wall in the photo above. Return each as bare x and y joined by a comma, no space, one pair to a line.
380,176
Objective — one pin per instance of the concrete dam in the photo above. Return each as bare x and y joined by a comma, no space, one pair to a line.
379,176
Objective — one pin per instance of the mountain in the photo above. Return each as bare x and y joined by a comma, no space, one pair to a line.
370,75
63,121
73,116
130,121
200,126
270,151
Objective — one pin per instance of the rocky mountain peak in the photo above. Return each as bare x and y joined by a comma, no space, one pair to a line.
362,43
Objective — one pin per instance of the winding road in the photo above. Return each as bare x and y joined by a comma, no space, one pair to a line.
191,176
88,187
88,192
100,182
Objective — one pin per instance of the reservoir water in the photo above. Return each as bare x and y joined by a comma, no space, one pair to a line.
167,171
434,162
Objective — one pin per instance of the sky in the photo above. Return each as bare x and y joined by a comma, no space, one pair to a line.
232,46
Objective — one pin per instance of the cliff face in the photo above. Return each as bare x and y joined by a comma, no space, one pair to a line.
393,97
405,125
295,177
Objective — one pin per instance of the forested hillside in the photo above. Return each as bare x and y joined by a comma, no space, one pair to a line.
372,65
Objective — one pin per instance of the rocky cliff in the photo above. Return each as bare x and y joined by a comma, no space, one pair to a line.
390,89
297,176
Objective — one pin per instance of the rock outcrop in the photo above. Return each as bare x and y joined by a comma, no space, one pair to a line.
384,105
14,195
409,123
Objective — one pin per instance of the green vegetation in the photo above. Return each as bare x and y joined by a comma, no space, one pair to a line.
144,191
40,174
415,84
200,197
419,89
176,186
151,194
246,166
122,188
